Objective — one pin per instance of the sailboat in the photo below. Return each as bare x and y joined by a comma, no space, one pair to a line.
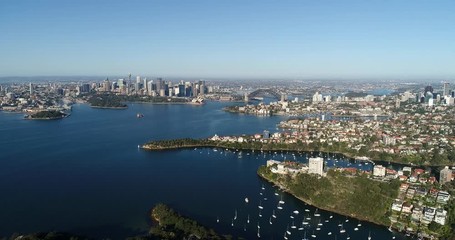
246,200
304,236
296,212
235,215
281,201
287,230
279,206
293,225
273,214
217,220
359,224
285,237
390,228
316,214
369,235
330,233
263,188
248,219
260,205
260,214
301,227
232,224
270,220
259,235
342,230
313,235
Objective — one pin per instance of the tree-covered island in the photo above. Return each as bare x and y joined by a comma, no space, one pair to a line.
47,115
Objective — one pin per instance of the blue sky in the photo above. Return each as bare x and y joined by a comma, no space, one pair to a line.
217,38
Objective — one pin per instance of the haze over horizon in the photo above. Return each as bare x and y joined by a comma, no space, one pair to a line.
229,39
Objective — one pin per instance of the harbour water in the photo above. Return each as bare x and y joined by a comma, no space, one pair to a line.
84,174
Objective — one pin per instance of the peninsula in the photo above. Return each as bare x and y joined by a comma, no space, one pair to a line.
422,208
106,101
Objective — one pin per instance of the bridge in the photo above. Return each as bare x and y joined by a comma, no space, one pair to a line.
265,92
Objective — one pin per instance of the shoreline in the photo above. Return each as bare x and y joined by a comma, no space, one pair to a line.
116,108
220,145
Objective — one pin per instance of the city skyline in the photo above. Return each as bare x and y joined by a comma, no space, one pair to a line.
291,39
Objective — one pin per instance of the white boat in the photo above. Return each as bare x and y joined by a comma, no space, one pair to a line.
287,230
342,230
217,220
347,238
232,224
356,229
304,236
326,221
259,235
296,212
263,188
281,201
317,229
270,220
307,210
305,223
279,206
293,225
276,194
273,214
330,233
319,224
246,200
260,205
331,216
390,228
313,236
316,214
291,217
369,235
259,226
285,237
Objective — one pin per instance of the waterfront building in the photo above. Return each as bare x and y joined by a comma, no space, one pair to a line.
445,175
316,165
379,171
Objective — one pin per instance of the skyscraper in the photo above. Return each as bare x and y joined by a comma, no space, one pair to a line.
428,89
316,165
446,90
31,88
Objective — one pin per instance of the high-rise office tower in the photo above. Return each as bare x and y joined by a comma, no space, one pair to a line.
31,88
446,90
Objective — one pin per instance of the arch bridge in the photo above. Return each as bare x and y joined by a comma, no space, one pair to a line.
265,92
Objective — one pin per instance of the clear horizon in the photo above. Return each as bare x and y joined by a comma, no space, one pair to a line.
229,39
